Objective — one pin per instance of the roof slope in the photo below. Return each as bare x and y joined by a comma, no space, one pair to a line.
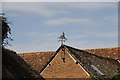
106,52
37,60
97,66
16,68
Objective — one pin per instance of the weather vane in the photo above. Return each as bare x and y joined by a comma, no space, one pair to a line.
62,38
2,14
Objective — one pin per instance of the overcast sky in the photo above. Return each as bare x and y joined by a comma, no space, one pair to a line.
37,25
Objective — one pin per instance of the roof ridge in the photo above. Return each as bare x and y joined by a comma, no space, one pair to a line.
103,48
90,53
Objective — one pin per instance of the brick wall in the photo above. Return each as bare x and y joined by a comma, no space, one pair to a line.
60,69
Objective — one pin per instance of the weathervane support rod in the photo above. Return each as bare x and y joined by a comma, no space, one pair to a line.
62,38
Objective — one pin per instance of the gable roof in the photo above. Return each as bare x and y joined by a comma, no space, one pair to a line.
96,66
63,65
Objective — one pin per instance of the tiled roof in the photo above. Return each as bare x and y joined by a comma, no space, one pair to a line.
37,60
105,52
97,66
94,61
16,67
